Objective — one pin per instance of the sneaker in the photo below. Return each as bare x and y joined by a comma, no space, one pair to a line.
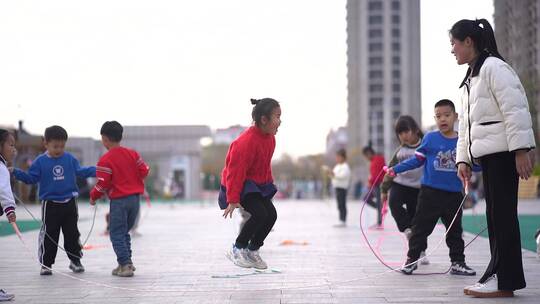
130,265
5,296
537,236
408,233
255,259
423,259
237,256
45,271
123,271
490,289
340,225
76,266
467,289
460,268
409,266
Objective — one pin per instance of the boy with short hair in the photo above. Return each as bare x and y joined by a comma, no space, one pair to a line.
56,172
120,173
440,193
376,164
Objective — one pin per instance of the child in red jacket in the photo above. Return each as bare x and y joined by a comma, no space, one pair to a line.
247,183
376,176
120,173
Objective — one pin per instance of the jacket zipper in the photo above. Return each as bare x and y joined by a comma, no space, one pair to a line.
467,83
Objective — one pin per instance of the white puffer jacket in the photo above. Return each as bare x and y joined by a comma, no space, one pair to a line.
495,113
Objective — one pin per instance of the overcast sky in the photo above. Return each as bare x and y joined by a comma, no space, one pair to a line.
77,64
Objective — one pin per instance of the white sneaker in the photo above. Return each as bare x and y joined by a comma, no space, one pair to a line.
490,289
423,259
468,288
537,236
237,256
255,259
5,296
340,225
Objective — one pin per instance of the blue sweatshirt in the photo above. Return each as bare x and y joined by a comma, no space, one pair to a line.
438,153
56,176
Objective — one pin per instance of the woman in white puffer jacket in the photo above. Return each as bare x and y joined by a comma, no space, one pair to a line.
495,130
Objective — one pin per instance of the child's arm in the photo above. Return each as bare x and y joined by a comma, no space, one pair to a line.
32,177
417,160
387,181
142,167
240,159
104,176
7,202
83,172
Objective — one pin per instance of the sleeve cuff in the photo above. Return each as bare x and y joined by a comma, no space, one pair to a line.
9,210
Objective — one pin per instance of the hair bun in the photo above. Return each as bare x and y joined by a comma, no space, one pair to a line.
254,101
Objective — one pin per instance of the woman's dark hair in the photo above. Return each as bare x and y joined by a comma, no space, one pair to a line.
406,123
342,153
113,130
55,133
263,107
480,32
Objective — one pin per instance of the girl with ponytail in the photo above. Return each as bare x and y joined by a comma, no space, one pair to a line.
247,182
495,130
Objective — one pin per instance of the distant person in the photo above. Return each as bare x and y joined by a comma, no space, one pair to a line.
247,183
376,175
440,194
341,179
401,191
56,172
495,130
120,173
7,200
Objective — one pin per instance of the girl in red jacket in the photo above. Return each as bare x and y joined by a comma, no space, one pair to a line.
246,182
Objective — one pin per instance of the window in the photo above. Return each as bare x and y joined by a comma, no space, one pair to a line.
375,60
395,5
375,33
375,87
375,74
377,19
396,46
396,74
375,101
396,60
380,142
396,87
375,5
395,19
375,46
396,33
395,114
396,101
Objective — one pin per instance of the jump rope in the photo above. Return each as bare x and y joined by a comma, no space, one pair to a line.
185,291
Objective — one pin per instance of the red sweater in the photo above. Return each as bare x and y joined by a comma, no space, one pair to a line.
120,172
375,168
248,158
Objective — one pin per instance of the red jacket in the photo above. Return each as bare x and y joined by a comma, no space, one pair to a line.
375,169
248,158
120,172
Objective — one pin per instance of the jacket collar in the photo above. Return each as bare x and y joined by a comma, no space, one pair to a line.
476,68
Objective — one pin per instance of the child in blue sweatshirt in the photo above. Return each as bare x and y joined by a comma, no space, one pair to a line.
440,193
56,171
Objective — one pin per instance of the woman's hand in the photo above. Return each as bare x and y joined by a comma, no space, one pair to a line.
230,208
524,165
464,173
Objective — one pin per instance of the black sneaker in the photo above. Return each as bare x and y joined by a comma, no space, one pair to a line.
76,266
45,271
409,267
460,268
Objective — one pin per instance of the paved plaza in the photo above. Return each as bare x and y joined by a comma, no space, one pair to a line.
181,251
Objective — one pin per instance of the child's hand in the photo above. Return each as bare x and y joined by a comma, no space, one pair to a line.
12,218
230,209
92,202
389,171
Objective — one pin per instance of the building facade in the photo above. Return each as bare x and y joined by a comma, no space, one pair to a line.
383,63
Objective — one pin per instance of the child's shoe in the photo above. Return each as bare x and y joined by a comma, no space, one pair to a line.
123,271
5,296
45,271
238,257
490,289
76,266
255,259
409,267
537,237
460,268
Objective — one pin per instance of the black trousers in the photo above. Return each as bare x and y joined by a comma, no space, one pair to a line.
258,226
56,216
399,197
341,198
435,204
501,189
